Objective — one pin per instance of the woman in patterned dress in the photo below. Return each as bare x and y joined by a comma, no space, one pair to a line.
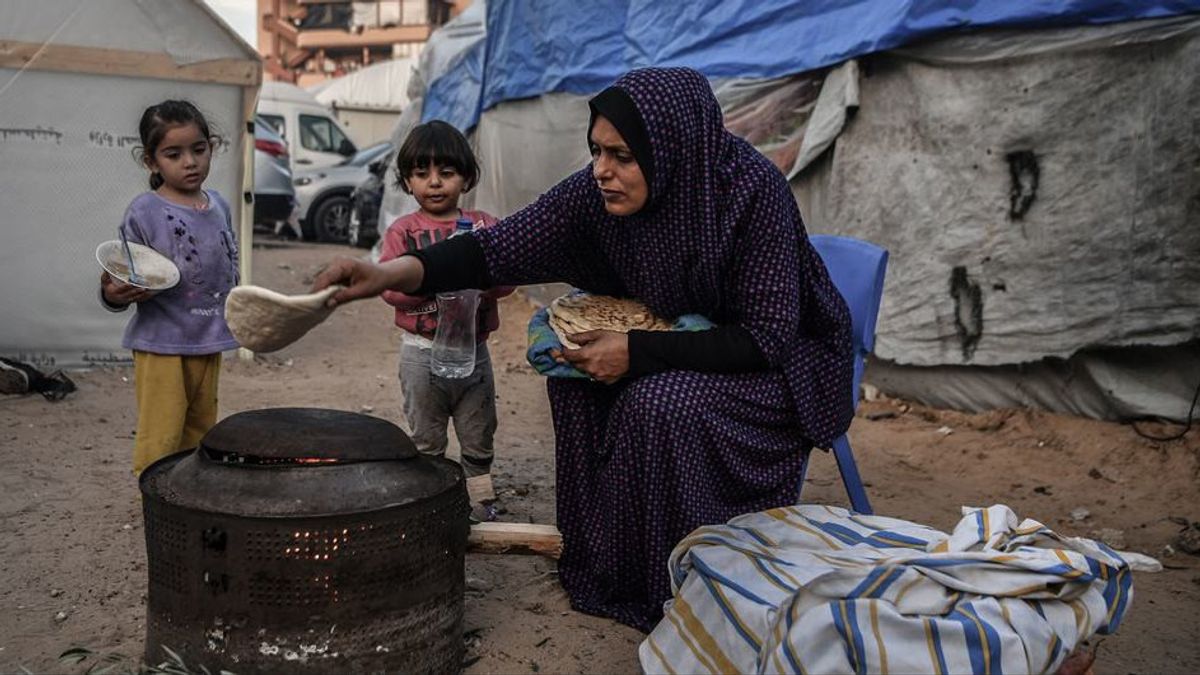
674,430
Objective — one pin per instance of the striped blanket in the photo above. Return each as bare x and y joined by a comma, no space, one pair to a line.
817,589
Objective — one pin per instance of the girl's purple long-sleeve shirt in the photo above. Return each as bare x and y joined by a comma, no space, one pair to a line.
188,319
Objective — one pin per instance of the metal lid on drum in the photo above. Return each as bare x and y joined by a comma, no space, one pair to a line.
288,462
282,435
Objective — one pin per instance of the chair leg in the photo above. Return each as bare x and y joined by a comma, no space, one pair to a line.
850,477
803,473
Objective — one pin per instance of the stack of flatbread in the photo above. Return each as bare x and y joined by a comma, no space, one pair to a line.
579,312
262,320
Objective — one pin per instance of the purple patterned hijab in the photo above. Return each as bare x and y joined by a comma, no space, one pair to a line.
721,236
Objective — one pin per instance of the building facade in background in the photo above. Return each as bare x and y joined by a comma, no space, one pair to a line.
306,42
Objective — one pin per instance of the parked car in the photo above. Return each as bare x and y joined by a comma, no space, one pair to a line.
314,137
274,195
366,198
324,194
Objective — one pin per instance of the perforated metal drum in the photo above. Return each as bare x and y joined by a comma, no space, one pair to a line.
303,540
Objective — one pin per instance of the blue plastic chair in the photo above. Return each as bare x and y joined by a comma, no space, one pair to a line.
857,269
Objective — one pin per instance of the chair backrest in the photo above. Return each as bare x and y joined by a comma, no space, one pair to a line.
857,269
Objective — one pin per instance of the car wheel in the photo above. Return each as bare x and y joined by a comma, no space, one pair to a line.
332,219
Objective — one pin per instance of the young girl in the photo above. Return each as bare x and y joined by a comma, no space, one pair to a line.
177,335
436,166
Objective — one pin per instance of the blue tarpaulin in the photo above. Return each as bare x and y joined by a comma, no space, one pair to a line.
454,97
535,47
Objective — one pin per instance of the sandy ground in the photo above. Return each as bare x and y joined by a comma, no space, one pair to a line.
71,541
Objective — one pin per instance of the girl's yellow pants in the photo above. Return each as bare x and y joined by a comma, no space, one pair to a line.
176,403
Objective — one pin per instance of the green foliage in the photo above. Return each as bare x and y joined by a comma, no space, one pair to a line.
113,663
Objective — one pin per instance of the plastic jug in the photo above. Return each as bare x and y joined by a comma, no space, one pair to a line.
453,353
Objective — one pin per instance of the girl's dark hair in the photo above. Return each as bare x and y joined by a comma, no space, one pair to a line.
436,142
157,119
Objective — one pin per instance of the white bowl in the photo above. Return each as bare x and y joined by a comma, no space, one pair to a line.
158,272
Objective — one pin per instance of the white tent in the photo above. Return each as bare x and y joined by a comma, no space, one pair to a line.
286,92
75,77
370,100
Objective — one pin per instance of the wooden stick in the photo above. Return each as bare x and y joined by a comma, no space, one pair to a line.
519,538
127,63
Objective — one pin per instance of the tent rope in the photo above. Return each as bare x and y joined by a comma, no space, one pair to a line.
33,59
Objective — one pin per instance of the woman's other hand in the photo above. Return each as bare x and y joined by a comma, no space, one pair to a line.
364,279
602,354
118,293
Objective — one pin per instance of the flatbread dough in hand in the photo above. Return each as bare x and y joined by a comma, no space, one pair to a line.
265,321
580,312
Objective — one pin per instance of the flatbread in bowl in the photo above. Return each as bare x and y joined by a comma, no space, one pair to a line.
579,312
263,320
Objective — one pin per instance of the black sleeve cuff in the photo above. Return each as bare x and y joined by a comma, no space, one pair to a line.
724,349
452,265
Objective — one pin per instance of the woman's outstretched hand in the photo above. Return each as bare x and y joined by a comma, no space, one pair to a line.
602,354
364,279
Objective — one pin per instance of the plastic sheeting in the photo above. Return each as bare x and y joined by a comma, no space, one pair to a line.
459,40
541,46
382,86
452,65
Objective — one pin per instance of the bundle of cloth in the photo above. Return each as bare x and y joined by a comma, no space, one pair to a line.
578,312
818,589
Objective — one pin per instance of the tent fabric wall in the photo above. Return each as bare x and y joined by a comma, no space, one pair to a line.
367,127
547,133
1032,206
1120,384
68,168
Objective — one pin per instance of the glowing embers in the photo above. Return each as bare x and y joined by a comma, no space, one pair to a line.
226,457
365,539
319,545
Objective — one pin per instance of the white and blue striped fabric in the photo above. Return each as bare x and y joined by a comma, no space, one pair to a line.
818,589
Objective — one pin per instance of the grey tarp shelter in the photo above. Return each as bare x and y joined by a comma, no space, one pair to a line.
1038,190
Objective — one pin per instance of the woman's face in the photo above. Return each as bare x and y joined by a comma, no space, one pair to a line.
616,171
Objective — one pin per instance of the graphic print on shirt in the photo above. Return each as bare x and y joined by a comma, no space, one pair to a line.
426,313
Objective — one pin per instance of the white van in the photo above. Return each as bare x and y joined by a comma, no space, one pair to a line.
314,136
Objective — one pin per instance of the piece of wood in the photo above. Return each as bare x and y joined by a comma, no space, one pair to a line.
126,63
334,38
520,538
246,183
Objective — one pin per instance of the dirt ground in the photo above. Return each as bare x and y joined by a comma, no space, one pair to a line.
71,542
